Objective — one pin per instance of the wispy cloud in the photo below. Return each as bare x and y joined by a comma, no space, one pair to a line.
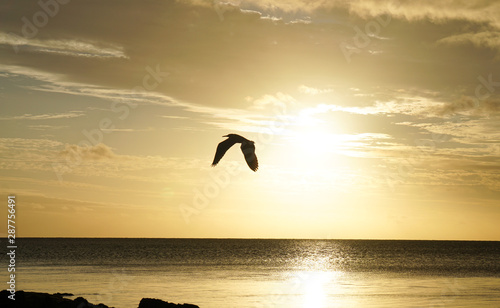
16,143
127,130
97,152
469,104
313,91
72,48
484,39
173,117
474,10
416,106
88,161
46,116
44,127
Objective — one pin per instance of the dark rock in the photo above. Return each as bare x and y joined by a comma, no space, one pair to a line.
158,303
63,294
43,300
57,300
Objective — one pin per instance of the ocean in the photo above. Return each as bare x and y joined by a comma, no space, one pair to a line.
264,272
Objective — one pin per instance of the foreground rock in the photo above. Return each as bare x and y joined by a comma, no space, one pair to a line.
157,303
44,300
57,300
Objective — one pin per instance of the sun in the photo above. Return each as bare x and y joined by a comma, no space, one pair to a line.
313,142
314,138
314,155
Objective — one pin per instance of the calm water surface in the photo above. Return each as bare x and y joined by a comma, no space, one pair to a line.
265,273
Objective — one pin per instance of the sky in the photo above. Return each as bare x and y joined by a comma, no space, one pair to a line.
371,119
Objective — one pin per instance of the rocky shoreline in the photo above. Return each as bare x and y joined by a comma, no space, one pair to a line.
59,300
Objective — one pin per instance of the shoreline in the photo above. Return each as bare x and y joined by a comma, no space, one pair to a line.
24,299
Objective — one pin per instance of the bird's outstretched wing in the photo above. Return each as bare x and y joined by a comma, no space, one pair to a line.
248,150
222,149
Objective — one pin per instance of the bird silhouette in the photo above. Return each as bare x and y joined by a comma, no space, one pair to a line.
247,147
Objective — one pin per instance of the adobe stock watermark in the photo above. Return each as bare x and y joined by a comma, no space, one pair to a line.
221,7
31,26
11,245
118,282
483,90
122,108
496,149
279,300
300,283
448,295
364,37
221,179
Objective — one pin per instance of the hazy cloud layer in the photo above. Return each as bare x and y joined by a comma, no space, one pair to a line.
244,54
398,100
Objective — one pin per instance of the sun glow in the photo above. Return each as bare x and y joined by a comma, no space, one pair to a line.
312,137
314,290
317,156
315,285
317,139
310,134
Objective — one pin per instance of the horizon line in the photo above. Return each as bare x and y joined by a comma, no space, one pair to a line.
257,238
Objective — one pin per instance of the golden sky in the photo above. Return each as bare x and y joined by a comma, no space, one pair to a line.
372,119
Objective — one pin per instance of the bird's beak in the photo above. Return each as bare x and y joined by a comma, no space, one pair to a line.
226,136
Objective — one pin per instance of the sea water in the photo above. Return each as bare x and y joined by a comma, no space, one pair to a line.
264,272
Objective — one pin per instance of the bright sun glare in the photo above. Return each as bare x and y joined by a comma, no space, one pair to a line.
313,138
314,289
316,139
315,285
310,134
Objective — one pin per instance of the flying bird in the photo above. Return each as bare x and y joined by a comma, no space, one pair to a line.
247,147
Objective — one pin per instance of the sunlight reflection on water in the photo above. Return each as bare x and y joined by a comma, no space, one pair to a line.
314,285
317,281
266,273
311,281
